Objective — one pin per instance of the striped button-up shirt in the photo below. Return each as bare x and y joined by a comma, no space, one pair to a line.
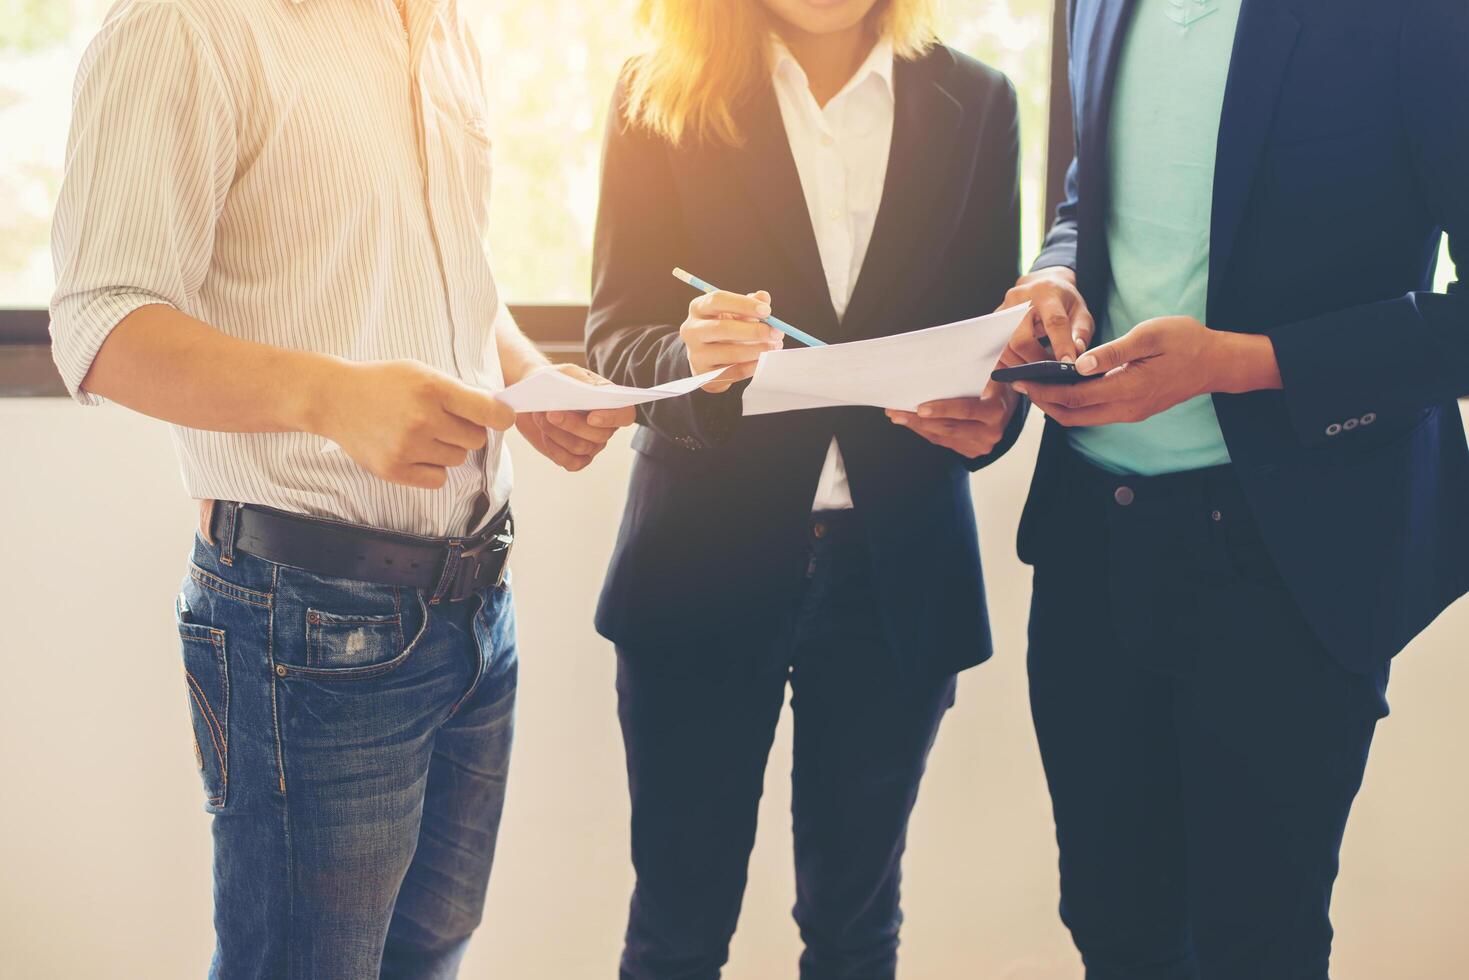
311,174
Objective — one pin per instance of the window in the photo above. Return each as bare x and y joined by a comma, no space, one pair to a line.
551,66
41,42
549,106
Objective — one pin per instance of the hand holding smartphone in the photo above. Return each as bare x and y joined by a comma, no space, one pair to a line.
1044,372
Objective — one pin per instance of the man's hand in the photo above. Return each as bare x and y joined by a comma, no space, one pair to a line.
971,427
403,421
723,330
571,440
1157,365
1058,317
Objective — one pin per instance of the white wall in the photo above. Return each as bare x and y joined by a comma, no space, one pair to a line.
104,845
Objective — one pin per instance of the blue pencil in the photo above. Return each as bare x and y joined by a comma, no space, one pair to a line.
780,325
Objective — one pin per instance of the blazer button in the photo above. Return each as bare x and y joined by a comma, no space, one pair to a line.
1124,496
1350,424
1369,418
1334,429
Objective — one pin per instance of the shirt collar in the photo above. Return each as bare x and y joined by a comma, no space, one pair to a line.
878,64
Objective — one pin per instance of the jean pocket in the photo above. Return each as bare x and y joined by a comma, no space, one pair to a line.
206,674
336,642
358,646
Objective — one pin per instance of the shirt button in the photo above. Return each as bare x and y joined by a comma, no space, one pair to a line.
1350,424
1124,496
1216,517
1334,429
835,214
1369,418
828,140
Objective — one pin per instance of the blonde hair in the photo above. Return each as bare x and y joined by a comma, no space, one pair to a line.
709,55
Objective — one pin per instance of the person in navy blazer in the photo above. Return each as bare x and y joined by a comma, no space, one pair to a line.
1210,648
738,571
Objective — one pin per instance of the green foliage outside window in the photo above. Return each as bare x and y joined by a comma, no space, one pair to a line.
29,24
550,68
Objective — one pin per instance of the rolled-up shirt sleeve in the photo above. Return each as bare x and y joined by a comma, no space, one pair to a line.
149,163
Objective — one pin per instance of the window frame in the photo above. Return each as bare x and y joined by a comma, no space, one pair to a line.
27,370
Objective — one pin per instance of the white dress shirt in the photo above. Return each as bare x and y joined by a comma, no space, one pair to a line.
841,151
311,174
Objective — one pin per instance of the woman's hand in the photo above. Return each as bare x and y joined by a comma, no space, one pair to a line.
724,331
971,427
572,440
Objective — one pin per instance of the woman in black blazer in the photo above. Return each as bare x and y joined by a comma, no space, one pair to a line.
866,177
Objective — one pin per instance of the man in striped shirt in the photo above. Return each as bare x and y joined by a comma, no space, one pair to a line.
270,235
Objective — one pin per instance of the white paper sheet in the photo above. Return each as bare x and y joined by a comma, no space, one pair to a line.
553,391
902,371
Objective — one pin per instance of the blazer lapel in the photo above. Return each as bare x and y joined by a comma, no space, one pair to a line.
1099,32
1262,50
768,170
919,179
1104,32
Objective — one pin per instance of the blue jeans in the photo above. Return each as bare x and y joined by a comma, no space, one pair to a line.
353,741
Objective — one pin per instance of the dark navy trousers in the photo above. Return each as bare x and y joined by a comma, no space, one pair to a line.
697,744
1202,748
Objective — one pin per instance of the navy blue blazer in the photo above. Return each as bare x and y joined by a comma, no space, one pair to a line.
1343,158
712,549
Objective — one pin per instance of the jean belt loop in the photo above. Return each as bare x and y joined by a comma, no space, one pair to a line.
450,572
227,524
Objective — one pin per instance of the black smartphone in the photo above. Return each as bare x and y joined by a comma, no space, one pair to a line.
1045,372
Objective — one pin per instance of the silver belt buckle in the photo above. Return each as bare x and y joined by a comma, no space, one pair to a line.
505,565
504,539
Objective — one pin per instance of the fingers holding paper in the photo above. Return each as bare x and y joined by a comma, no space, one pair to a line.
569,439
723,331
971,427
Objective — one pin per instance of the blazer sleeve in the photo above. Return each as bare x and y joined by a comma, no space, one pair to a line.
1413,351
1060,245
637,306
993,225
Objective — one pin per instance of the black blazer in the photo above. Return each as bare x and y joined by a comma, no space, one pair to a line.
712,548
1343,156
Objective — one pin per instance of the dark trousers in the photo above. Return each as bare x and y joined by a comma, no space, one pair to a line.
1202,747
696,751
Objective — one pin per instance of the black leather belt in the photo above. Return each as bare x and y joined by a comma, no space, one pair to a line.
452,569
